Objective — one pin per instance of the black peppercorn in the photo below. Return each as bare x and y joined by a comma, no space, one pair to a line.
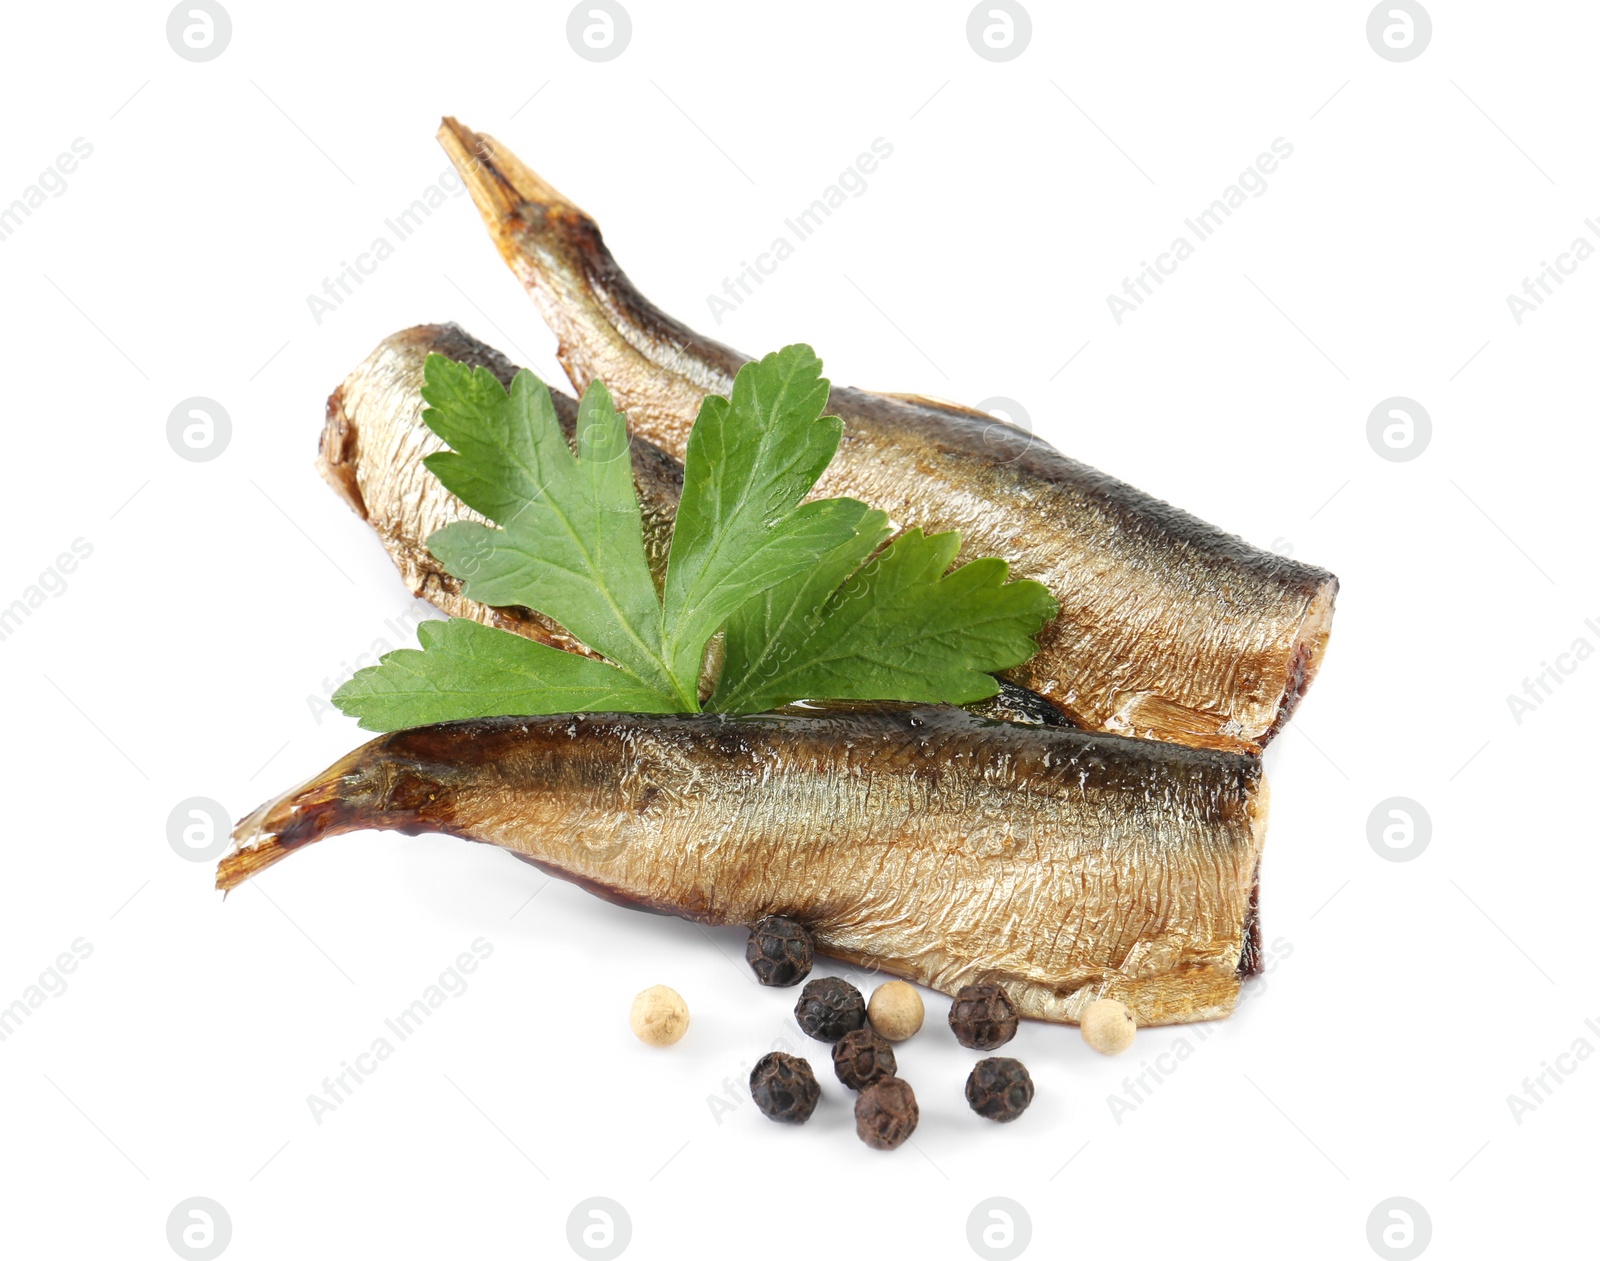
779,950
982,1017
999,1088
861,1057
830,1008
784,1087
886,1113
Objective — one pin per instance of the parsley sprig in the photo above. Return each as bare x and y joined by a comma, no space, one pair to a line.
809,611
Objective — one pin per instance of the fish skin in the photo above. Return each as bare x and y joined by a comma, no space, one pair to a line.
920,841
371,452
1169,628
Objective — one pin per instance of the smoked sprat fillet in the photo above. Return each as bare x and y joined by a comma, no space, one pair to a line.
922,841
371,452
1169,628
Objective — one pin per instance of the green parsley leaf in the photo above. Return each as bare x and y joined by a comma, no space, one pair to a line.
741,528
900,629
567,540
747,556
465,670
763,632
571,542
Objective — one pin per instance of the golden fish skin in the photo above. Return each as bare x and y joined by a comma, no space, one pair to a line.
920,841
1169,628
371,452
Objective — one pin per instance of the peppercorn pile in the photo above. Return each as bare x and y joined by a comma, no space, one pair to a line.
860,1032
831,1010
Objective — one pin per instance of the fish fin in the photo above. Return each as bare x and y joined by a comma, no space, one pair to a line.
936,404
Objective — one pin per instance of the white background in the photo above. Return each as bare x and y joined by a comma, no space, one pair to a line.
1406,1001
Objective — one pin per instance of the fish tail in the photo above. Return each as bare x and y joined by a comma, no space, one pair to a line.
506,192
412,781
318,808
658,368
